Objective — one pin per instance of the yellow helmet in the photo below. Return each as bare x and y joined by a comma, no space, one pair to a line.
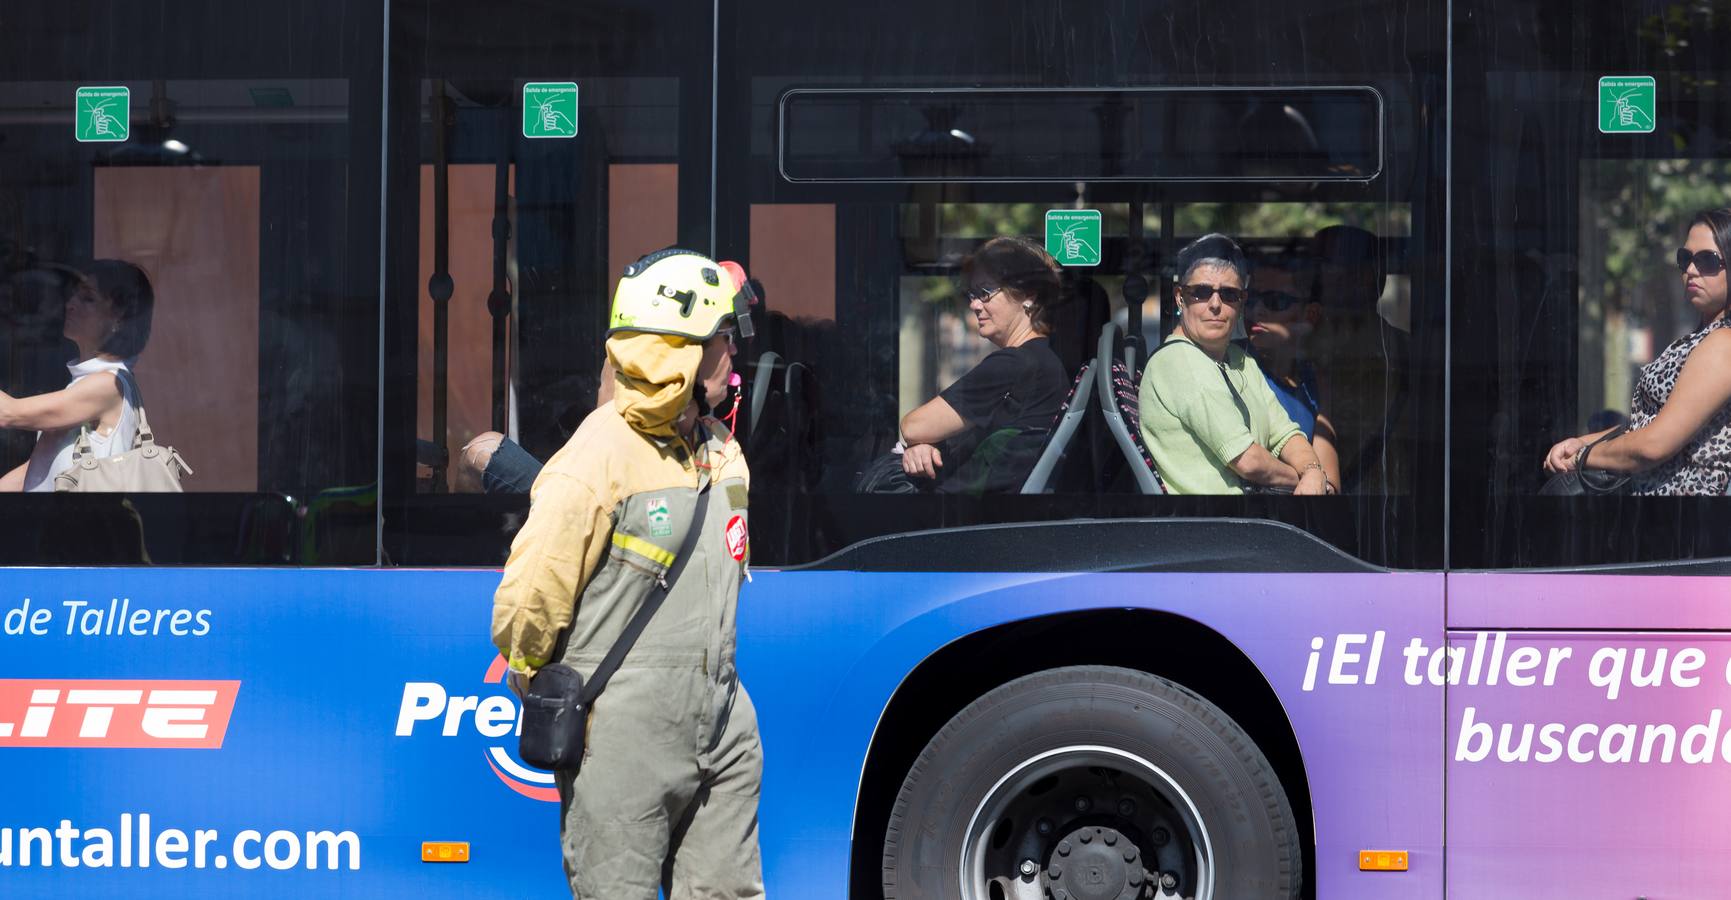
681,293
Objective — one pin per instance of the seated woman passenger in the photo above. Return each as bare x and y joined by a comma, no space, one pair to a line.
1208,416
1678,440
108,317
1280,316
984,433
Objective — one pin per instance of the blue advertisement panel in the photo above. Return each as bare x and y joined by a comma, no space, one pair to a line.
275,733
262,733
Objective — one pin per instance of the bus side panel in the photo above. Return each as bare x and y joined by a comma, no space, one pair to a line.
823,653
345,717
348,741
1608,781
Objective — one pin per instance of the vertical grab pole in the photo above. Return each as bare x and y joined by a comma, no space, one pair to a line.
439,286
499,301
1133,343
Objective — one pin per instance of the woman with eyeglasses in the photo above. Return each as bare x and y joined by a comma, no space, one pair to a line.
1678,437
1280,315
984,433
1208,416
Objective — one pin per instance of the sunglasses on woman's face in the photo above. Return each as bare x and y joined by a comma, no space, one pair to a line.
1706,262
981,293
1274,301
1198,293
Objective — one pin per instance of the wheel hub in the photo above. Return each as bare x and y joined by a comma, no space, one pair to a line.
1095,862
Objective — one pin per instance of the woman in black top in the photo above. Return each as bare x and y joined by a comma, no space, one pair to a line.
984,433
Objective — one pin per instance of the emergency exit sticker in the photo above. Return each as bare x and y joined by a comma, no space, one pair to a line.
103,114
550,109
1627,104
1073,236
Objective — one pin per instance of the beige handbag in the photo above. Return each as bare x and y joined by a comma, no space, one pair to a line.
146,468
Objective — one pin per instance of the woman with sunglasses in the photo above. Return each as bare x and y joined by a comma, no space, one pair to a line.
984,433
1678,438
1279,316
1208,416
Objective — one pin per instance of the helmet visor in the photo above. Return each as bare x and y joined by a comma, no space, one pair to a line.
744,298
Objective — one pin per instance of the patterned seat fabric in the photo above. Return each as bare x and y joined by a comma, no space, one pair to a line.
1125,388
1069,398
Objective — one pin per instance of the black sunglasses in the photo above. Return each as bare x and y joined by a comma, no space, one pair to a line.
982,293
1276,301
1707,262
1196,293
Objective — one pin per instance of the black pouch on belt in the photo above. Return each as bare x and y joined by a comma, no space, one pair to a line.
554,719
556,707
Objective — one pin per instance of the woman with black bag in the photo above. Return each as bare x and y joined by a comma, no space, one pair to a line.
1678,438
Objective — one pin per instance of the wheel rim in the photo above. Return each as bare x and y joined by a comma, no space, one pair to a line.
1099,823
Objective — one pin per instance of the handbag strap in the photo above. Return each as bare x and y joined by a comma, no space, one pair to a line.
143,437
634,629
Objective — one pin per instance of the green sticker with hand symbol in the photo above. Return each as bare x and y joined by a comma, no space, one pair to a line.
550,109
1627,104
1073,236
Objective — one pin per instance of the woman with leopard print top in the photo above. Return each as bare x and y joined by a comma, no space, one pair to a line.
1679,436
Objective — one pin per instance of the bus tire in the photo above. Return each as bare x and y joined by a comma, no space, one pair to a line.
1037,766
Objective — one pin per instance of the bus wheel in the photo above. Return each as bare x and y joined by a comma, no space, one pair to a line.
1091,783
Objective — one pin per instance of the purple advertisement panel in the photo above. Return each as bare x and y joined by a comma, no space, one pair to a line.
1491,600
1588,764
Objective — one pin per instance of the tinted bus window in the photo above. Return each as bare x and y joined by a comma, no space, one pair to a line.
198,204
507,239
1570,307
1006,134
870,178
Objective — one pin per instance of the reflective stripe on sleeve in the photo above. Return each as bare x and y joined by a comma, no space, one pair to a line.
642,548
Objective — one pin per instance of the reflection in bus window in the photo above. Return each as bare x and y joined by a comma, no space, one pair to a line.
233,192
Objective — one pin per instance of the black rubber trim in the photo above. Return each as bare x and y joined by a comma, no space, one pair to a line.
1099,545
1716,566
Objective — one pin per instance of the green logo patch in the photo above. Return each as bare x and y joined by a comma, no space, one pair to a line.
660,519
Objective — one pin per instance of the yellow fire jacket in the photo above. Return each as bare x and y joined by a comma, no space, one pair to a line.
620,494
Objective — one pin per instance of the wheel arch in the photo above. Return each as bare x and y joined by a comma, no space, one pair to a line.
1159,643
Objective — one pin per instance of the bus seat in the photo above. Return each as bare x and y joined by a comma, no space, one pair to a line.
1118,404
799,395
1070,415
762,377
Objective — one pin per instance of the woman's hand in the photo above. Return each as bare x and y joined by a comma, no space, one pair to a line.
1562,456
922,460
1312,483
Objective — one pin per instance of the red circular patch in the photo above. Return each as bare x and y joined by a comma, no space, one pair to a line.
735,536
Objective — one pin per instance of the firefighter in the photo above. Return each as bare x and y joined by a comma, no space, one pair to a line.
667,792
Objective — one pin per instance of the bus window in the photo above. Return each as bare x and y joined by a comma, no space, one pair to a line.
1567,321
212,209
507,239
908,186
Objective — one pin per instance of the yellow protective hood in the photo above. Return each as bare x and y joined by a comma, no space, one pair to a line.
653,375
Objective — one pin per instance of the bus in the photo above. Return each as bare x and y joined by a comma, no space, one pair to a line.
379,230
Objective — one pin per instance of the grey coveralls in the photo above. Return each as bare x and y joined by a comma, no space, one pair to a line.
667,793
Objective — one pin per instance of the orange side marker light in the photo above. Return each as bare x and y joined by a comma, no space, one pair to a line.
445,851
1382,860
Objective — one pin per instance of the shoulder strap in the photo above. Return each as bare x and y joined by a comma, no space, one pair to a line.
634,629
144,435
1217,364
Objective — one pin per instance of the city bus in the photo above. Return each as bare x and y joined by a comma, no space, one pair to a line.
378,230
